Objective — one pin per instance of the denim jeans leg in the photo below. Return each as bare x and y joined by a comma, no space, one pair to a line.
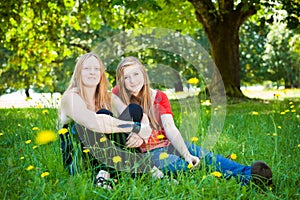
226,166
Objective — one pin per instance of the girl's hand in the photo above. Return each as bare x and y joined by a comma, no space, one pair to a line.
194,160
134,141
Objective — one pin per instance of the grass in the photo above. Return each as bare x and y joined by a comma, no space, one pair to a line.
256,130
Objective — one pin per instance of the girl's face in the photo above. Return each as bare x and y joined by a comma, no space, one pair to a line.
134,79
90,73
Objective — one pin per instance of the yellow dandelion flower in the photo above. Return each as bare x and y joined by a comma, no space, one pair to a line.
298,145
38,105
282,113
274,134
117,159
62,131
193,81
287,111
194,139
268,134
291,102
293,110
45,174
292,106
190,165
44,137
279,127
163,155
19,125
45,111
270,188
276,95
22,158
30,167
216,174
233,156
103,139
35,128
28,141
34,147
254,113
86,150
1,134
160,136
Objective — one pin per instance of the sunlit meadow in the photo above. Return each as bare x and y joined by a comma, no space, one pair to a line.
31,163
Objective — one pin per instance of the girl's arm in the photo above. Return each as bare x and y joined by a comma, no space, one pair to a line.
176,139
73,106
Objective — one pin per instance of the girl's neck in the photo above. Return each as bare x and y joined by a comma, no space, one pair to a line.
90,95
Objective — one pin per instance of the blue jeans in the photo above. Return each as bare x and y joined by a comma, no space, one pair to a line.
174,163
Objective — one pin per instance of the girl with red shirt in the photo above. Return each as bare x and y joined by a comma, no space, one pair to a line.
169,152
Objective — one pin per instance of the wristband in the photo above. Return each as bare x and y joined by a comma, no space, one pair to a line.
136,127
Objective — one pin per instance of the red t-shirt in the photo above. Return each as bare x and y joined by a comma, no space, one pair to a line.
161,106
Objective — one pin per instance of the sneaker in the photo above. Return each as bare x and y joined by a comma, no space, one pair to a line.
156,173
103,180
261,173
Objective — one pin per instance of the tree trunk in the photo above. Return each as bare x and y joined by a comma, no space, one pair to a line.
225,52
221,21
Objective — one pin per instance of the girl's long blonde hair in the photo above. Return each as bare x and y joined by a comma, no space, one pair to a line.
144,96
102,97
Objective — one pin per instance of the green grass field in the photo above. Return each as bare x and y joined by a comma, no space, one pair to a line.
268,131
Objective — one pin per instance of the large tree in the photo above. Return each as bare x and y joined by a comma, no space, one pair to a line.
222,20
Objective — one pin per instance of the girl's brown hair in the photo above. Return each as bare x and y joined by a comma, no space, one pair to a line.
144,97
102,97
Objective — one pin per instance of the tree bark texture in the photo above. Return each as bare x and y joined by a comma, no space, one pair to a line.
221,22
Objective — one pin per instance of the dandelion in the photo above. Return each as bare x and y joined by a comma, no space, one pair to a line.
292,106
22,158
298,145
233,156
293,110
28,142
117,159
268,134
163,156
287,111
38,105
34,147
254,113
193,81
45,174
277,95
274,134
30,167
86,150
35,128
194,139
270,188
279,127
282,113
216,174
19,125
190,165
1,134
291,102
44,137
62,131
103,139
45,111
160,136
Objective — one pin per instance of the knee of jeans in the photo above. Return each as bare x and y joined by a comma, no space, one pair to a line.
105,112
136,112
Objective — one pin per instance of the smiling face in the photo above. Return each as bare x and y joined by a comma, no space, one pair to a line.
133,79
91,71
